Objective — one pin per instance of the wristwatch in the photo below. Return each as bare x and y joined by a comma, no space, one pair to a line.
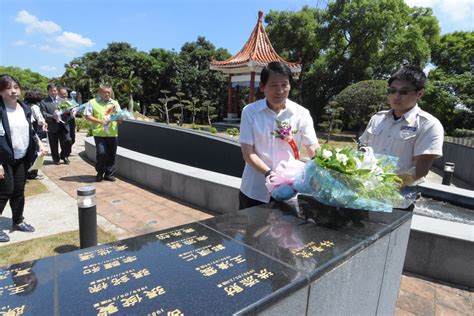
268,172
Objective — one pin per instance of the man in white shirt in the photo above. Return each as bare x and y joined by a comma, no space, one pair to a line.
263,145
406,131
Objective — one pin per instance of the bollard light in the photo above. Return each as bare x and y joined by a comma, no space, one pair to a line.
86,197
448,173
86,204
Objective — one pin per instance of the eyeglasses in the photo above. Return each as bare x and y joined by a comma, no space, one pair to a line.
400,92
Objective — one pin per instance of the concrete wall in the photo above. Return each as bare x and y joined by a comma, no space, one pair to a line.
208,190
462,156
192,148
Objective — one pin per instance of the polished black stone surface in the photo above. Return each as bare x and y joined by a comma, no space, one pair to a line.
27,288
189,269
305,235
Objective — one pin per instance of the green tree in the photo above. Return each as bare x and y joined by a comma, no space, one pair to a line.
165,105
332,119
192,106
360,101
454,53
129,86
209,108
28,79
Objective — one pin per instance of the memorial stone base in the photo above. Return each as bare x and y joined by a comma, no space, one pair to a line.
297,258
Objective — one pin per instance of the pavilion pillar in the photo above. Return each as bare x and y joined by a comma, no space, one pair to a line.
236,101
252,87
229,100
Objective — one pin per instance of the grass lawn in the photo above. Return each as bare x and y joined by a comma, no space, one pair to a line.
34,187
46,246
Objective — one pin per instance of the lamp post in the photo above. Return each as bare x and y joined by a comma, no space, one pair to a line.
86,203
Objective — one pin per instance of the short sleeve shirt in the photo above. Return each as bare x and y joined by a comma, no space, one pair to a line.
415,133
257,125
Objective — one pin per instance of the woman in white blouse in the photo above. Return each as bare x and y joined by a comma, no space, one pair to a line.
17,151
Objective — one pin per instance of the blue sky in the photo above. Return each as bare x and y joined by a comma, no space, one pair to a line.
43,35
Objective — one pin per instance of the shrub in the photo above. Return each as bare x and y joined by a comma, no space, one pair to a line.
233,131
195,127
461,132
213,130
82,124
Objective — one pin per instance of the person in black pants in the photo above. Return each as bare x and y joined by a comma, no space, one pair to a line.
58,128
17,152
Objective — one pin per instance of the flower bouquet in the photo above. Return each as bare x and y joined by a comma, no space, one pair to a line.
68,109
111,115
348,178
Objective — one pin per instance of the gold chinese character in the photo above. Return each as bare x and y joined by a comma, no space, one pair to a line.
162,236
154,292
224,265
141,273
17,289
85,256
112,264
304,254
176,312
98,287
188,230
233,289
130,259
22,272
121,247
204,252
208,271
249,281
202,238
189,242
238,259
103,252
218,247
120,280
176,233
188,256
264,274
14,312
131,301
317,249
3,277
326,243
107,310
175,245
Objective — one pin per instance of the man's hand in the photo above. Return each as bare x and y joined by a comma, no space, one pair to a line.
2,172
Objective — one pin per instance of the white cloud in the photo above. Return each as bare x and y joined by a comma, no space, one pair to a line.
58,50
47,68
73,40
33,24
422,3
458,10
20,43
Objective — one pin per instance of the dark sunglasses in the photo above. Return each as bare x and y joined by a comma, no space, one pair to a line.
401,92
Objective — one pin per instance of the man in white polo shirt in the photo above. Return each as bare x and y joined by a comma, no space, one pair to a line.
271,130
406,131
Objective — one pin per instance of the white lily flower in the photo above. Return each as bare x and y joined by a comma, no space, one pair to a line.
342,158
327,154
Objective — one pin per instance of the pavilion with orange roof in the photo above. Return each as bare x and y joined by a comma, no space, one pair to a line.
243,68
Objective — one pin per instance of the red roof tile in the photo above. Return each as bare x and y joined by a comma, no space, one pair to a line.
257,51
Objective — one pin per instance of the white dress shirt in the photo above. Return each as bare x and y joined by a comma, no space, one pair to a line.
416,133
258,122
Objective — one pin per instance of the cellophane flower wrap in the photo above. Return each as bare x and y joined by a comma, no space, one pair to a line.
351,179
117,116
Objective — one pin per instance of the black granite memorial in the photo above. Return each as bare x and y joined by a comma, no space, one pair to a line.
274,259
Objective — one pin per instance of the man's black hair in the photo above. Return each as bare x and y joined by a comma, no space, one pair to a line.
412,74
274,67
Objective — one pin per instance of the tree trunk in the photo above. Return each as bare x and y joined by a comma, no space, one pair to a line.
167,114
130,103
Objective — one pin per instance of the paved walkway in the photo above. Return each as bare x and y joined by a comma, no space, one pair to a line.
126,209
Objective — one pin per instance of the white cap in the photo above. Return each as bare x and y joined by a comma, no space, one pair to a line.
73,93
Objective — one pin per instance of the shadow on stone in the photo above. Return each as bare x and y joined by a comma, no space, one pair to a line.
80,178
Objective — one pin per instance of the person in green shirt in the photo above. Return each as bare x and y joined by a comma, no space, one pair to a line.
98,111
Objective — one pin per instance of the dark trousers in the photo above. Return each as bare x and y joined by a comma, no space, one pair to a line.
246,202
61,136
72,130
105,158
12,187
